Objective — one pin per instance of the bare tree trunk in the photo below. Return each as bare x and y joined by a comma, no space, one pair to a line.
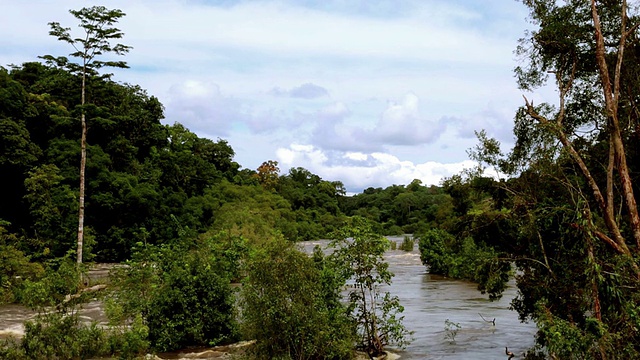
83,162
611,100
618,242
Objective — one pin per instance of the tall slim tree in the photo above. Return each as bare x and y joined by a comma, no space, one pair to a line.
98,31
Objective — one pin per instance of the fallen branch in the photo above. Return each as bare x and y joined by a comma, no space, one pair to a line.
489,321
85,290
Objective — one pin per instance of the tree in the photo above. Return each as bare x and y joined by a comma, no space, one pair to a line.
97,24
574,171
290,305
267,174
359,254
567,51
464,259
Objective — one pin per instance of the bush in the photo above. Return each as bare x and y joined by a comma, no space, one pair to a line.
407,243
61,336
132,341
10,350
291,307
61,278
434,248
195,306
15,268
184,297
464,259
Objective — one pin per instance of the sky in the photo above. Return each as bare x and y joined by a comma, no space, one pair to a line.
367,92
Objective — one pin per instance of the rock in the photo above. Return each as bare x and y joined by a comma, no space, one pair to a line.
386,356
208,354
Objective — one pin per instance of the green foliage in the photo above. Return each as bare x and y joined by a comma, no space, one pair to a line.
566,214
15,268
358,254
184,297
434,245
51,205
315,202
131,342
10,350
568,340
61,336
61,278
401,210
97,23
407,243
195,306
290,305
445,255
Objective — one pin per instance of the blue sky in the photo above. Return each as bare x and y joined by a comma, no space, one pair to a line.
371,93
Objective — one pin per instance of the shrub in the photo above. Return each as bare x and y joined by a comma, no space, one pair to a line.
61,278
464,259
15,268
10,349
184,297
195,306
130,342
407,243
61,336
290,305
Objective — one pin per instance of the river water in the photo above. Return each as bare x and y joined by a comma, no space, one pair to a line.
428,301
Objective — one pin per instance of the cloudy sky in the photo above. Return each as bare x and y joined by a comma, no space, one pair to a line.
368,92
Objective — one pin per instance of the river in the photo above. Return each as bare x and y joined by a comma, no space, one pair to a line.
428,301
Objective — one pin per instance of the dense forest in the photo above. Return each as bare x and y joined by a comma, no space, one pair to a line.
186,221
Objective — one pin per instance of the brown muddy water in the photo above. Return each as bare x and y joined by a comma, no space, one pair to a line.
428,301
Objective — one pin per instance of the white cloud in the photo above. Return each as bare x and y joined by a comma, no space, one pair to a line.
203,108
357,156
403,124
405,80
383,170
304,91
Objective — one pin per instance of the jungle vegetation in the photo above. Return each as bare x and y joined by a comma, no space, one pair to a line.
561,216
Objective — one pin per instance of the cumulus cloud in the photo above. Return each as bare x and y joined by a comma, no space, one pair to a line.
210,63
401,124
332,133
304,91
497,122
203,108
376,169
